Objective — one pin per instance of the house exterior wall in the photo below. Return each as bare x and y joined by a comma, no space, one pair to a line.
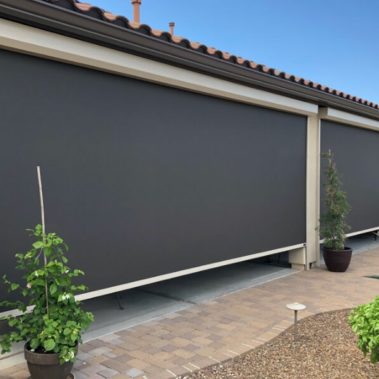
228,104
144,180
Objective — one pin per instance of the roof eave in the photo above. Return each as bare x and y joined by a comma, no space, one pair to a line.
53,18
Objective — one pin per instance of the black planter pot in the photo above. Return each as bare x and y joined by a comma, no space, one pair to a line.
46,365
337,260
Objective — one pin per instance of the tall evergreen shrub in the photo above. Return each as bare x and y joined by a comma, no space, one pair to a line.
333,221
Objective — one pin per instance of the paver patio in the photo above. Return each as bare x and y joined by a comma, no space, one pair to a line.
223,328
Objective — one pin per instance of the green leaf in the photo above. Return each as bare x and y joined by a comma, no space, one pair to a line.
34,343
49,344
47,251
38,245
81,287
38,230
12,322
38,282
14,286
53,289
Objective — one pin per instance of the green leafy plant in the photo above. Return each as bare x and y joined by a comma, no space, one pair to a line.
364,321
51,319
333,221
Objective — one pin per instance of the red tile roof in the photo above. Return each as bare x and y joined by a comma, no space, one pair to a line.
98,13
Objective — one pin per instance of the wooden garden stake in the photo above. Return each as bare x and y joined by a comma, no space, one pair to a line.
43,232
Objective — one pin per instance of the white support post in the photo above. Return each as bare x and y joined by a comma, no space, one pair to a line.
310,254
298,258
313,190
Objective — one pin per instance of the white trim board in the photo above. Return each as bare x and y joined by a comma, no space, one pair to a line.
160,278
362,232
348,118
177,274
33,41
352,234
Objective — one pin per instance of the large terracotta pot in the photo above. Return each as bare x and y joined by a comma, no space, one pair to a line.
337,260
46,365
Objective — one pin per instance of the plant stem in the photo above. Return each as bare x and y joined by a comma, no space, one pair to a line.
43,233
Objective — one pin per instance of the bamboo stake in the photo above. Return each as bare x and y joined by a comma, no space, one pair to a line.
43,233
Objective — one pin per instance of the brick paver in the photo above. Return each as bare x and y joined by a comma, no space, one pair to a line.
222,328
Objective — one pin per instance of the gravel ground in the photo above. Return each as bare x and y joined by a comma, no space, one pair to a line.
325,349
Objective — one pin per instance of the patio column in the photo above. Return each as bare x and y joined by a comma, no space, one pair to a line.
313,190
310,254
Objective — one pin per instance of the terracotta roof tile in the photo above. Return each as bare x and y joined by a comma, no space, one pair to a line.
195,45
85,7
110,16
98,13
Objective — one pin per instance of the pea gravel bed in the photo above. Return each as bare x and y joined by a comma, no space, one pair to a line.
325,348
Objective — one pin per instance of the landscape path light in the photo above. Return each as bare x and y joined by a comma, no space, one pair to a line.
296,307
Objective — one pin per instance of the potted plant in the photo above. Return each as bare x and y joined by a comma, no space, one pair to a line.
51,320
337,256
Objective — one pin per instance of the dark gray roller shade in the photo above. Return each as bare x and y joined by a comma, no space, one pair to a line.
356,152
141,179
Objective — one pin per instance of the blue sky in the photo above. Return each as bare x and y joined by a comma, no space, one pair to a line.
332,42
